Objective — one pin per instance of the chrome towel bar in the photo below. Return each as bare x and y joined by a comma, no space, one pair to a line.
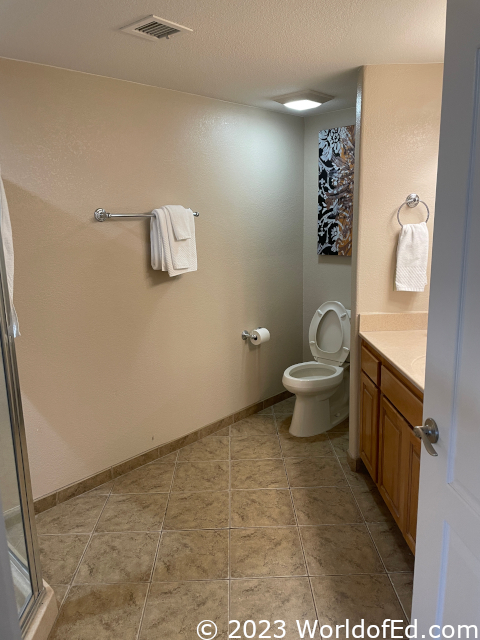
101,215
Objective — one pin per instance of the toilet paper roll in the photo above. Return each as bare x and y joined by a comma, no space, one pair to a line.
259,336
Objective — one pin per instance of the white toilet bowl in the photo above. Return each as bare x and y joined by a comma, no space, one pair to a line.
314,383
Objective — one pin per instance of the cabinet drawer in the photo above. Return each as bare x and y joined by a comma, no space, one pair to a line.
371,365
401,397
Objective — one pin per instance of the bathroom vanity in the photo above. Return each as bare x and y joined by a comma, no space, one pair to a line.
391,404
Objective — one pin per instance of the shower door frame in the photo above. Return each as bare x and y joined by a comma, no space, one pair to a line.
8,353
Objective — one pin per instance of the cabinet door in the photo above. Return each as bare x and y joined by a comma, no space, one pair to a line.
411,462
391,473
369,401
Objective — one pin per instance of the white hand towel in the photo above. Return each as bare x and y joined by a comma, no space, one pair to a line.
412,258
168,253
7,240
180,219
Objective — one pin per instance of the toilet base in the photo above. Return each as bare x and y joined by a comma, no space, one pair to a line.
311,416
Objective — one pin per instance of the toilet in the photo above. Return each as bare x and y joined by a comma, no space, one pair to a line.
321,387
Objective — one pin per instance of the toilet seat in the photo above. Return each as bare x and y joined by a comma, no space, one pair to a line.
333,336
312,377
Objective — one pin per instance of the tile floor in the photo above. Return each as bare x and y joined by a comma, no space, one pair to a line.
248,524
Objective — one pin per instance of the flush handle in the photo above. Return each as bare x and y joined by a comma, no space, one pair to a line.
428,434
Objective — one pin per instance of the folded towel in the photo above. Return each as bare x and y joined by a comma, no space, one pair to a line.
412,258
180,219
7,241
168,253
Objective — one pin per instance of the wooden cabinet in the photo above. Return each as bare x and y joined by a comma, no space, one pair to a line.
389,404
411,456
369,402
393,429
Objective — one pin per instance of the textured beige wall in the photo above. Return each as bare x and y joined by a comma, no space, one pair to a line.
115,358
398,128
398,155
324,277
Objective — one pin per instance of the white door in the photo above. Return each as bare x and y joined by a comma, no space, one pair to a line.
447,571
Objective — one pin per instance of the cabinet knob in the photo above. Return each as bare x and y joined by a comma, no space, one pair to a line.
428,434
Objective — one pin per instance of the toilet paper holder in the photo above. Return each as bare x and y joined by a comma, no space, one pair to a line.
246,335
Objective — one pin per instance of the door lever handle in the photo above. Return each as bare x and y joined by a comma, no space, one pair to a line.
428,434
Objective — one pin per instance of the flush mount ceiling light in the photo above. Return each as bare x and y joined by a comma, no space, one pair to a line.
303,100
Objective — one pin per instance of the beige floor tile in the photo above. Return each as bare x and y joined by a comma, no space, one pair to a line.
78,515
256,425
60,555
392,547
202,476
370,597
192,555
118,557
314,446
372,505
174,609
358,480
325,505
201,510
101,612
206,449
266,412
138,512
256,474
60,591
266,552
314,472
340,549
252,447
403,585
261,508
340,428
283,423
339,442
286,406
287,599
151,478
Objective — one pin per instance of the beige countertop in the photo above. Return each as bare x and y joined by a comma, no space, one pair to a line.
405,350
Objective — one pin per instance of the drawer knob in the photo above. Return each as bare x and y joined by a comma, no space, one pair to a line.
428,434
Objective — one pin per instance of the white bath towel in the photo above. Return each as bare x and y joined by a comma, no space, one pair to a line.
168,253
180,219
412,258
7,240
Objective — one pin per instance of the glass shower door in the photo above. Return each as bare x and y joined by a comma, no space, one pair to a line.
15,488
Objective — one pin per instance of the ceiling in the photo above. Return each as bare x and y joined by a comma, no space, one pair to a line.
246,51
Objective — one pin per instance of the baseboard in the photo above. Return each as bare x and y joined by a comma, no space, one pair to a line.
92,482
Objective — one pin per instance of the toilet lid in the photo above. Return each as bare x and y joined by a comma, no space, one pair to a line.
329,333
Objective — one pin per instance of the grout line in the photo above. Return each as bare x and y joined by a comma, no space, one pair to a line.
369,532
160,535
87,545
307,572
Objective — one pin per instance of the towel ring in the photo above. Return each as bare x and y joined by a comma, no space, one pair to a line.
411,201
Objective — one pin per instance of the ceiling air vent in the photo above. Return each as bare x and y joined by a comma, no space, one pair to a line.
154,28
